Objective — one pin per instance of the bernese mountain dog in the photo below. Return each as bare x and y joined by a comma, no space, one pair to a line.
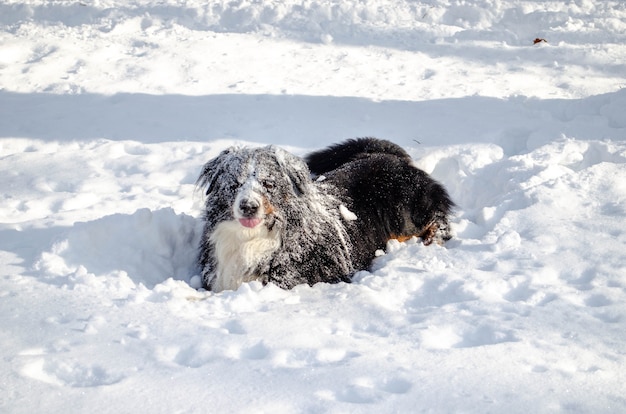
277,218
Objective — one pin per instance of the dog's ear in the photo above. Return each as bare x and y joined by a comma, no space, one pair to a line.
212,171
300,179
296,169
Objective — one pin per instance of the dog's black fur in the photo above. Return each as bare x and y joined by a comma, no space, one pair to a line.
391,197
306,223
337,155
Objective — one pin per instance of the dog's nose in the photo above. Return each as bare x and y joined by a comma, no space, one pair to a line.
248,208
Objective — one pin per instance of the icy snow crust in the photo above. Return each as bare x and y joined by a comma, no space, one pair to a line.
109,109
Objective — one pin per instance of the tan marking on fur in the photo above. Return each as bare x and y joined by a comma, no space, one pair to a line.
268,208
402,238
427,235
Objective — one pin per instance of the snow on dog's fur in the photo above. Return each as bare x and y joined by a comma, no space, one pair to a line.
267,220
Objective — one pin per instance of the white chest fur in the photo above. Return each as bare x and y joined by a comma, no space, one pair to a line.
238,251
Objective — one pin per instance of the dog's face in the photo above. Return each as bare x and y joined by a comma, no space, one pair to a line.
249,185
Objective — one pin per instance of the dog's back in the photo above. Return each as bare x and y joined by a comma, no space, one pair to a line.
335,156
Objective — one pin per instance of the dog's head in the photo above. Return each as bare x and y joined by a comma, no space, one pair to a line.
251,184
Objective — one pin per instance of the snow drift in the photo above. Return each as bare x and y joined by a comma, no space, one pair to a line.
109,109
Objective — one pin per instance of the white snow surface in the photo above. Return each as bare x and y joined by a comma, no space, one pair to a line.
109,109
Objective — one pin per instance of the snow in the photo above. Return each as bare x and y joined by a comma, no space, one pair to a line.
109,109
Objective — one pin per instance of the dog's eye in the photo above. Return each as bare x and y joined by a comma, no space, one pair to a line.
268,184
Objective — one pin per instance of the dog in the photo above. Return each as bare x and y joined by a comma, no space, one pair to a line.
272,217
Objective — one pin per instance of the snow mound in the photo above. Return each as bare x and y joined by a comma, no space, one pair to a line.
144,248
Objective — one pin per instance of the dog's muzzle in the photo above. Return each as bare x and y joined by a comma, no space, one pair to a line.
249,210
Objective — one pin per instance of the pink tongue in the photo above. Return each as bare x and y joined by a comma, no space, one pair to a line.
252,222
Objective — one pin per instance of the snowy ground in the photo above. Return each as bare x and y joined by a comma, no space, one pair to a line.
108,109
